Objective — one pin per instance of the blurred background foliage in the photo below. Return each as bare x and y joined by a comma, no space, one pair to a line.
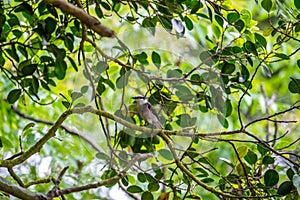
206,66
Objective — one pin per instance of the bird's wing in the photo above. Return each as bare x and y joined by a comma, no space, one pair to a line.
150,107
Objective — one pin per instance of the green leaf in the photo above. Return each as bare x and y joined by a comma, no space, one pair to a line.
285,188
165,153
102,156
196,7
233,17
60,70
105,5
228,68
183,93
282,55
50,25
156,59
250,47
76,95
223,121
134,189
73,63
239,25
147,196
141,177
294,85
219,20
188,23
24,7
174,73
100,88
242,151
28,69
267,5
69,42
297,27
28,126
251,157
271,177
207,180
268,160
100,67
290,173
261,40
35,84
297,4
262,149
66,104
154,186
206,58
13,95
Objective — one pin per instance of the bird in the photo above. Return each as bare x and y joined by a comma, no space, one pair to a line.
147,112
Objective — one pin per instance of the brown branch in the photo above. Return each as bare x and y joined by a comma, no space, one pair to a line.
85,18
65,128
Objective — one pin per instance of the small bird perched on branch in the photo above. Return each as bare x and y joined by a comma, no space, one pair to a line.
147,112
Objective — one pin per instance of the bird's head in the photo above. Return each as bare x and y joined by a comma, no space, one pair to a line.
140,99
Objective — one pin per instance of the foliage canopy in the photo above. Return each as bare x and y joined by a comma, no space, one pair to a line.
224,79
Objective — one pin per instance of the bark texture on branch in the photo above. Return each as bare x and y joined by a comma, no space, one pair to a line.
85,18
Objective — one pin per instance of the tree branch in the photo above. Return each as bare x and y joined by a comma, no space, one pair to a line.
85,18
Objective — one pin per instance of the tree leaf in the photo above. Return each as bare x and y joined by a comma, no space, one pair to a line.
285,188
251,157
147,196
268,160
261,40
294,85
102,156
297,4
233,17
196,7
165,153
271,177
156,59
134,189
188,23
13,95
267,5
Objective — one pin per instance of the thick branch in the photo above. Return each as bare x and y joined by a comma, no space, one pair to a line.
85,18
19,192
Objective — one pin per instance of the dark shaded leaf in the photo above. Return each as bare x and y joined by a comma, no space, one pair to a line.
262,149
285,188
261,40
251,157
147,196
271,177
28,69
290,173
134,189
156,59
268,160
154,186
13,95
250,47
141,177
267,5
294,85
188,23
233,17
297,4
239,25
196,7
219,20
